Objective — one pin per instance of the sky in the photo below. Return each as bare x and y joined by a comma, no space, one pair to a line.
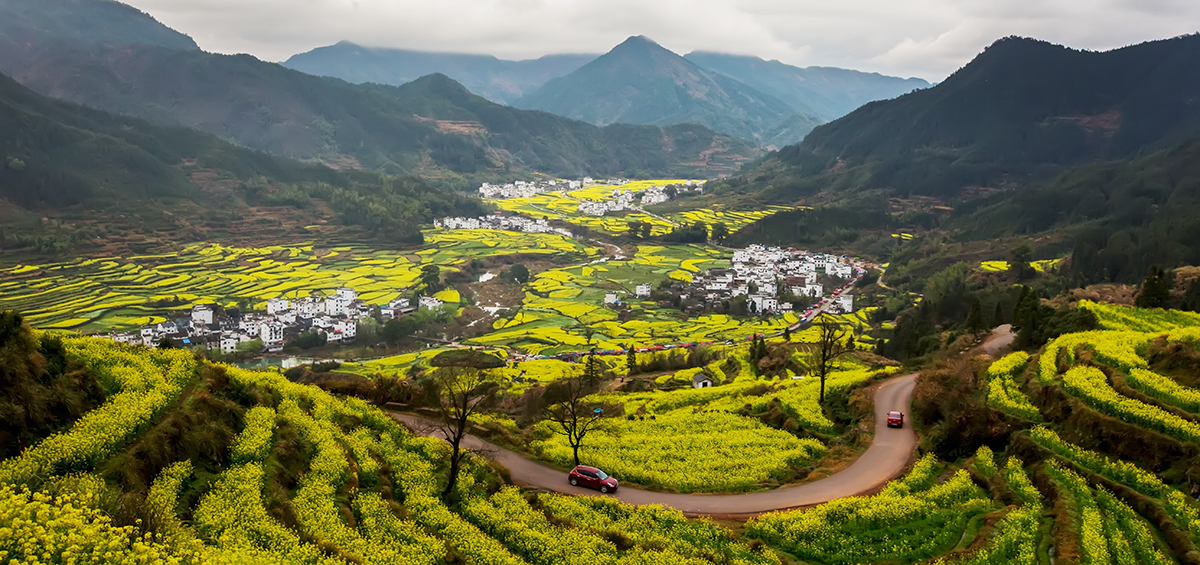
929,39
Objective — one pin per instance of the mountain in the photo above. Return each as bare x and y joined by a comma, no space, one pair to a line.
824,92
1022,110
28,26
72,177
135,66
640,82
497,80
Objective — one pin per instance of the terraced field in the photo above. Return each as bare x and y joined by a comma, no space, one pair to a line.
95,295
565,206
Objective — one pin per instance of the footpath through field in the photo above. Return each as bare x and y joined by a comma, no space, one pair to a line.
887,457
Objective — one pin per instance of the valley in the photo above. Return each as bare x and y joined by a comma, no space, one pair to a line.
547,301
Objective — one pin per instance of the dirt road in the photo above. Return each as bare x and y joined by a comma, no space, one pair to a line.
885,459
1000,338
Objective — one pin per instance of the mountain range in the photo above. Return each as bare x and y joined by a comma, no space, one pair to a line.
827,93
496,79
640,82
1022,109
637,82
106,55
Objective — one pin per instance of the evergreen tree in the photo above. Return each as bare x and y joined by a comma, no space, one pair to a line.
591,369
631,360
1018,262
998,316
975,318
1156,290
787,333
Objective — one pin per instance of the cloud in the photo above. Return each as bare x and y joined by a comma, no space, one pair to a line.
926,38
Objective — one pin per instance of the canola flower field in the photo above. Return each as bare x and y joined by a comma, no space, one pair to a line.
1048,487
94,295
53,502
564,206
1105,374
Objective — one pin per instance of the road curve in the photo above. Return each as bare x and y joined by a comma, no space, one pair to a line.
885,459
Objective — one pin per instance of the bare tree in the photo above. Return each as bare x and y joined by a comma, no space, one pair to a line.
830,345
572,416
460,391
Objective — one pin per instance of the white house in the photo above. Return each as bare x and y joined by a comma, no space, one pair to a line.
271,334
610,298
347,329
310,307
701,380
334,306
429,303
277,305
643,290
202,315
229,343
846,303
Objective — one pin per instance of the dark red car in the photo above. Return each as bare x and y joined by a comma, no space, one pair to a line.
895,419
593,478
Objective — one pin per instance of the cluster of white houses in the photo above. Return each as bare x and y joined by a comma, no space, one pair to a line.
625,200
496,222
212,327
764,275
522,189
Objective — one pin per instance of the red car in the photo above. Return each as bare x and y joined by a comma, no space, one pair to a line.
593,478
895,419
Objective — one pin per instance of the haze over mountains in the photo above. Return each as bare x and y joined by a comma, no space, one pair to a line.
637,82
495,79
111,57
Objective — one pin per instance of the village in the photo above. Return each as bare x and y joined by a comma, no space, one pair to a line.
760,281
623,200
496,222
620,200
769,280
213,327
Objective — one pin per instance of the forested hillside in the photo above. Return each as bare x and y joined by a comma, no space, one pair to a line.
1022,110
134,66
73,177
1122,217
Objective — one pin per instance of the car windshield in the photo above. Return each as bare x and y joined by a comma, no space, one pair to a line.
601,474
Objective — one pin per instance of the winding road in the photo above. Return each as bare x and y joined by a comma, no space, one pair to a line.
888,455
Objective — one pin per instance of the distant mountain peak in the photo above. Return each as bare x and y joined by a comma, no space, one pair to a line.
637,40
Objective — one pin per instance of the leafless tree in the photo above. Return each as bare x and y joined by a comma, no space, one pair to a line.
572,416
460,392
830,345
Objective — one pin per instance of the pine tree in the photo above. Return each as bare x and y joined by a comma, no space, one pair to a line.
787,333
1156,290
998,316
591,369
631,360
975,318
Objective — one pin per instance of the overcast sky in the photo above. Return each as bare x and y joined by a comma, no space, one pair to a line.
925,38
